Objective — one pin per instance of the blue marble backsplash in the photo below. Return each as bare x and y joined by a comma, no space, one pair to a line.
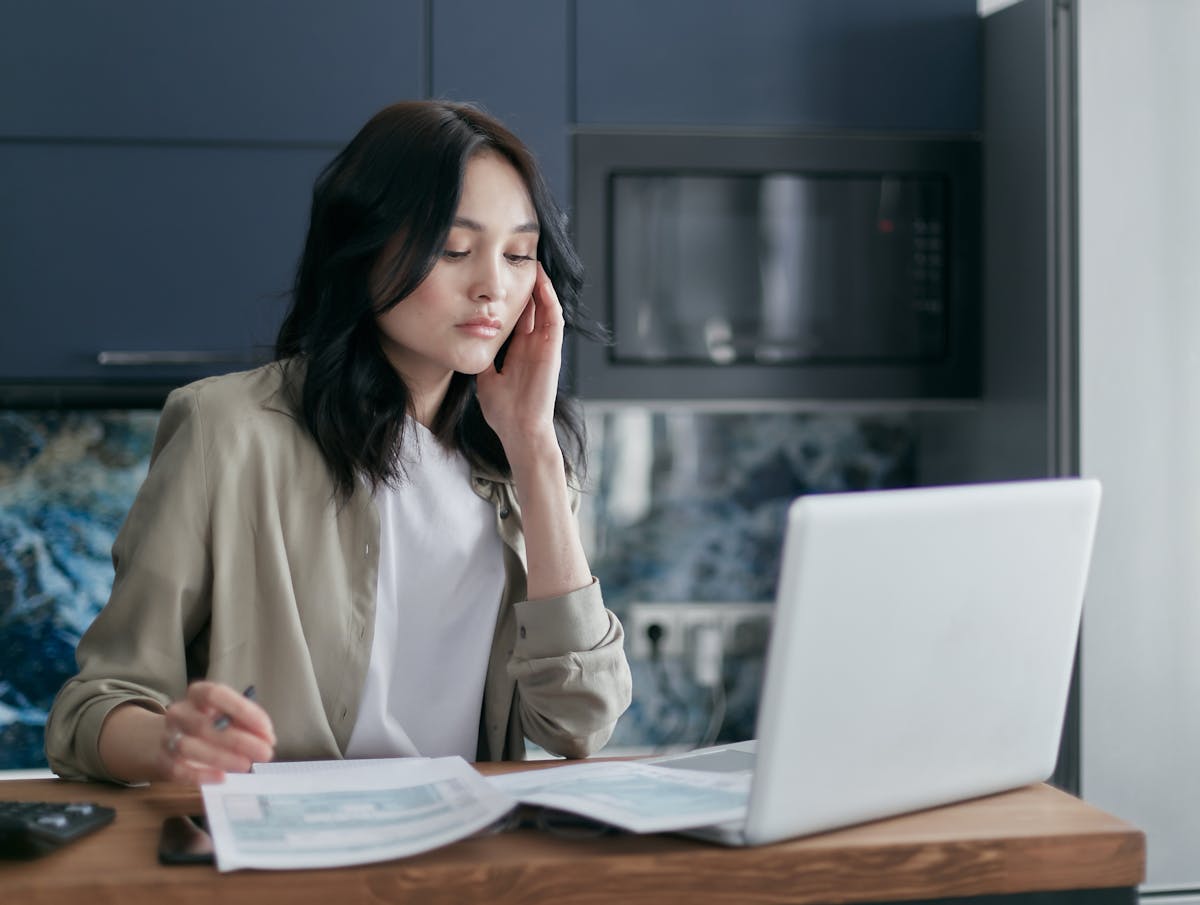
66,482
681,506
689,506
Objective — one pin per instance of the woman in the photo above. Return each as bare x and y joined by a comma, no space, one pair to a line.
376,532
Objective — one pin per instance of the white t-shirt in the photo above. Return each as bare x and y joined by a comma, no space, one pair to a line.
441,574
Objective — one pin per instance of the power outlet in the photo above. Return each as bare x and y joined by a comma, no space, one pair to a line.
744,627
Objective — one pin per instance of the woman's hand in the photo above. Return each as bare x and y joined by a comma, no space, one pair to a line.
212,731
518,402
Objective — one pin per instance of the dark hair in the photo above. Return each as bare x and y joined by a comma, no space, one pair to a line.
400,179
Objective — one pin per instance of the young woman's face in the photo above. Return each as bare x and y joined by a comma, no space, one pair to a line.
460,315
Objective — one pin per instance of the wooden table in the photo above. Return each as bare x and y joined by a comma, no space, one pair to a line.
1032,839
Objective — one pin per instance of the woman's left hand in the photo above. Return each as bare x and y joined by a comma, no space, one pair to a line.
518,401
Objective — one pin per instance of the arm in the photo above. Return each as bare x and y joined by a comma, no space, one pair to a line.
518,403
568,659
113,719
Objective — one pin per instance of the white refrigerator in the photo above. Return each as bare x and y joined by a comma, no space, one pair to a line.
1091,148
1139,423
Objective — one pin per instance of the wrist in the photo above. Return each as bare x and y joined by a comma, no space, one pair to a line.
129,740
534,449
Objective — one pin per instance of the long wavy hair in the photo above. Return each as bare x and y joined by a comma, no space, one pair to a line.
400,178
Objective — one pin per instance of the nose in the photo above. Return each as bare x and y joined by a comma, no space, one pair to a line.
487,280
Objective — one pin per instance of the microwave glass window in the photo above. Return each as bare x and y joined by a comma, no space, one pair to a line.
778,268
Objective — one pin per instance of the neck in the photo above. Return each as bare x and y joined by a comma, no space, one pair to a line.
426,398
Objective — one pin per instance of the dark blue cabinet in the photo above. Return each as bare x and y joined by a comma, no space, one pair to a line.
511,58
117,248
851,64
221,70
156,168
156,159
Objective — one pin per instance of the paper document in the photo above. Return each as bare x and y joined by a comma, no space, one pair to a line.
335,817
637,797
324,766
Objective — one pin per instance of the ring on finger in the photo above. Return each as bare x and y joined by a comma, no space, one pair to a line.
174,737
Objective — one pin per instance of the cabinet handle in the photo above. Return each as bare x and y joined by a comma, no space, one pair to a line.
175,357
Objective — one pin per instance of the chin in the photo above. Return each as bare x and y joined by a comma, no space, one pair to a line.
473,368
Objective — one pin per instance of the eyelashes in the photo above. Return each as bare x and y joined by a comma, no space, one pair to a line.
514,259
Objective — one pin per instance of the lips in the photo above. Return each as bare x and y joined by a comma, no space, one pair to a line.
493,323
482,327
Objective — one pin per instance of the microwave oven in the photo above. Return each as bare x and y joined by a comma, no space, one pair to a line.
778,266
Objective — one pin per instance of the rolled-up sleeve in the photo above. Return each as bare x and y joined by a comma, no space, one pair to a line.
571,672
134,651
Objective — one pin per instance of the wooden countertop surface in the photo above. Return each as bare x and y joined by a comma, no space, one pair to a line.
1034,838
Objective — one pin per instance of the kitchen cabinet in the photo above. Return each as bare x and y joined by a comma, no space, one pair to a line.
156,159
859,64
146,249
222,70
512,59
156,168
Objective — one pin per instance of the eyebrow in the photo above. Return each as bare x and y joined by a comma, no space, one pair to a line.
476,226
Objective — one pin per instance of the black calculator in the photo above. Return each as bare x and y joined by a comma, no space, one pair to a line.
29,828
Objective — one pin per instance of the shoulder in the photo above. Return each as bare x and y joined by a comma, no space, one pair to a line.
241,392
235,418
260,398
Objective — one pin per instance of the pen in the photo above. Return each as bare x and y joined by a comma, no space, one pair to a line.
223,721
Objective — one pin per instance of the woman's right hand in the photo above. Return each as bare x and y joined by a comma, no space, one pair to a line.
195,749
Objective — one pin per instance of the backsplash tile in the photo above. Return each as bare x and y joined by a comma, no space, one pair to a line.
689,506
66,481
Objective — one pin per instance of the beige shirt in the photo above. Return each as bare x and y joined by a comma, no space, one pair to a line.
237,564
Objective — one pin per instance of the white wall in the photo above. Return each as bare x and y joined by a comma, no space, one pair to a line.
1139,137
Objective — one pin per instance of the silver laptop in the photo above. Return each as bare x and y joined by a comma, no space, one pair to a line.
921,653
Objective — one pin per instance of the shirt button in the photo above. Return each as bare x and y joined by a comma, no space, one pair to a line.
504,512
522,631
367,551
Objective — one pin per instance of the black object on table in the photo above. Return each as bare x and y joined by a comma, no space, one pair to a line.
31,828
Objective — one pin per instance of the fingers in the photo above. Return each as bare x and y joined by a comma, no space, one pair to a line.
239,709
177,769
196,749
549,310
528,318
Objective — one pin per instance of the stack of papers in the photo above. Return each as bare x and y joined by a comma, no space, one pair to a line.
329,818
337,813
